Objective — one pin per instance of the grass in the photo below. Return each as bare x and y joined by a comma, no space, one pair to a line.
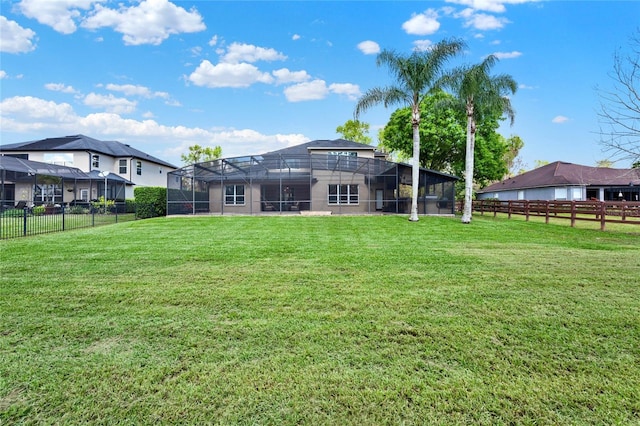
321,320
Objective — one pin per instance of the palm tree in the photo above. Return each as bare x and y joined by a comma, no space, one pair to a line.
477,92
416,75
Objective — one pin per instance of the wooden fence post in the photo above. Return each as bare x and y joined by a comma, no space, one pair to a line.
603,212
573,214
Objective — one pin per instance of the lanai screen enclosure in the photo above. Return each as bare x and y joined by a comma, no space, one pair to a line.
340,181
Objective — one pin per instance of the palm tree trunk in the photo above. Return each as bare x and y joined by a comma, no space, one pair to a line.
468,172
415,167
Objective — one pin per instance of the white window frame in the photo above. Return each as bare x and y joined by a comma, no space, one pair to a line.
234,198
139,168
122,165
95,161
346,194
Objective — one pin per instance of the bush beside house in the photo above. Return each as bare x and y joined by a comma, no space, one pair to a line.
151,201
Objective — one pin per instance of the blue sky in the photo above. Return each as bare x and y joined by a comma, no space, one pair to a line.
254,76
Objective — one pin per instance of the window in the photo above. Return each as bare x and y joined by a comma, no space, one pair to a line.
138,168
343,194
342,160
234,195
84,194
123,167
95,161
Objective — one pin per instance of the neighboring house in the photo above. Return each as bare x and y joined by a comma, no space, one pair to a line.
567,181
29,183
95,158
336,176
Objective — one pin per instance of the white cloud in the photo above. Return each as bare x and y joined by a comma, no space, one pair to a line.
110,103
495,6
213,41
560,119
14,38
239,52
423,23
60,87
133,90
295,37
525,87
28,115
482,21
25,113
284,76
508,55
149,22
318,89
3,75
369,47
351,91
307,91
59,14
422,45
228,75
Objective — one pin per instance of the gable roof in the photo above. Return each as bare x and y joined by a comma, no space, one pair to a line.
322,144
561,174
83,143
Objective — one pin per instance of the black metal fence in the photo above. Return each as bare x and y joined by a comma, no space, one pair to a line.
22,222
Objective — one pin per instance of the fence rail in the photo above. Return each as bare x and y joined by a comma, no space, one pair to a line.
594,211
24,222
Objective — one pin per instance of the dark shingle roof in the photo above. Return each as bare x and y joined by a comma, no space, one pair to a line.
304,148
560,173
83,143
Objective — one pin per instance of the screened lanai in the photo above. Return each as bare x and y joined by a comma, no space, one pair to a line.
34,183
338,181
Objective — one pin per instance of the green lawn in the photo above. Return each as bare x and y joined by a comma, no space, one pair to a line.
321,320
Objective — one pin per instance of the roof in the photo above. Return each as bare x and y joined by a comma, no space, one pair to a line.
83,143
562,174
322,144
13,164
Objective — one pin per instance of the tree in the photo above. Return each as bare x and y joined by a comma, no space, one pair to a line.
619,113
604,163
479,93
514,163
354,130
199,154
415,75
442,139
441,133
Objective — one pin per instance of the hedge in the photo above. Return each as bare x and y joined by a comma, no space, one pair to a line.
151,201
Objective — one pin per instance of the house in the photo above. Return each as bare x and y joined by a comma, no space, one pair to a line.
30,183
96,158
567,181
321,176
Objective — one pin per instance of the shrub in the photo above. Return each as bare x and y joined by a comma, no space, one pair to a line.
77,210
151,201
38,210
13,213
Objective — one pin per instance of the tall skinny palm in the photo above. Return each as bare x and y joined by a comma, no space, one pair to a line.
416,75
477,92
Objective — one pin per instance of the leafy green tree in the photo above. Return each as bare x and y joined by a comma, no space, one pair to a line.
199,154
479,93
442,136
441,133
354,130
540,163
415,75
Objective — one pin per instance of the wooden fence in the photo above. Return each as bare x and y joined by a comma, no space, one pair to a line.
594,211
